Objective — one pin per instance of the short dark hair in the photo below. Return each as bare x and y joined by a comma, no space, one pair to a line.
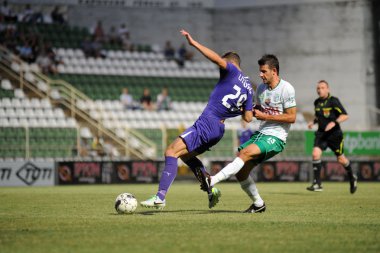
324,81
232,56
270,60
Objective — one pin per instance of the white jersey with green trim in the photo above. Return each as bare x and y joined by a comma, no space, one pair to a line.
274,102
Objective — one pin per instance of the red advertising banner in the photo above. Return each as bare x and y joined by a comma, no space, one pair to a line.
303,171
108,172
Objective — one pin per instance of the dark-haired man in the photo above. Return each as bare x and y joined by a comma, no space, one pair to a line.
276,109
329,113
231,97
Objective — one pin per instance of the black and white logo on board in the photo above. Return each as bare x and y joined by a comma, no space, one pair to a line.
26,173
30,173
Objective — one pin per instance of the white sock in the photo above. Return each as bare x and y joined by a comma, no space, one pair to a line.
228,171
250,188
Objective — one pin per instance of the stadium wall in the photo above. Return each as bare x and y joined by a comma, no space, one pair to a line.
314,40
152,26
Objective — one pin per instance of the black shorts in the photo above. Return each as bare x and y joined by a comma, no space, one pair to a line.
333,140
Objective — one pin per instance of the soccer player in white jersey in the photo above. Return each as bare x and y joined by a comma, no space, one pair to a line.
276,109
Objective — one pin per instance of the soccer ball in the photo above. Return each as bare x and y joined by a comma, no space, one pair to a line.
125,203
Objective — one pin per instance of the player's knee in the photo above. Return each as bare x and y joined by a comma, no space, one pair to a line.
245,155
170,151
316,155
342,160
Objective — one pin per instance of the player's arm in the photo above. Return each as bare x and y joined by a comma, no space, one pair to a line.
289,116
247,116
337,106
340,119
247,108
208,53
315,120
342,112
312,123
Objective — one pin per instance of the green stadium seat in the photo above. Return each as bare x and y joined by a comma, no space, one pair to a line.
109,87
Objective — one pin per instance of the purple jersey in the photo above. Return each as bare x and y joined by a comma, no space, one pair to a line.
232,92
244,135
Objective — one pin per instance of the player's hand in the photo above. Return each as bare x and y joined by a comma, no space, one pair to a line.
310,125
188,37
330,126
259,115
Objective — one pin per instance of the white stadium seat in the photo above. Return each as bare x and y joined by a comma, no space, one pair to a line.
14,122
4,122
19,93
6,84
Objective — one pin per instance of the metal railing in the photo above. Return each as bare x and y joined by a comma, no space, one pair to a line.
68,98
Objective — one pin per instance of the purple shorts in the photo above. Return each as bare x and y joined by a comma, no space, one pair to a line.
205,133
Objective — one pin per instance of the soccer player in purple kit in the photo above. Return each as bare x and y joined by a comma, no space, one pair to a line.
231,97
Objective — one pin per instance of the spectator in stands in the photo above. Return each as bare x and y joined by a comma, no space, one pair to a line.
110,150
84,148
169,51
6,13
184,55
56,16
9,37
97,47
85,142
30,46
97,147
98,32
26,52
163,100
53,56
92,47
46,63
124,37
30,16
113,36
126,99
146,100
87,47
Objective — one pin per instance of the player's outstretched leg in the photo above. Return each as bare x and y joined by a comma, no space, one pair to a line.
167,178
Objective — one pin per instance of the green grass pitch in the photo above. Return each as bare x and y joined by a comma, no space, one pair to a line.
83,219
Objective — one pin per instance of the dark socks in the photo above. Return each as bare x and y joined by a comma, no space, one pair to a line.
194,163
317,166
349,171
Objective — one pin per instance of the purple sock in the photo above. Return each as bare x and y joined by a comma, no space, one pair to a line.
168,175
